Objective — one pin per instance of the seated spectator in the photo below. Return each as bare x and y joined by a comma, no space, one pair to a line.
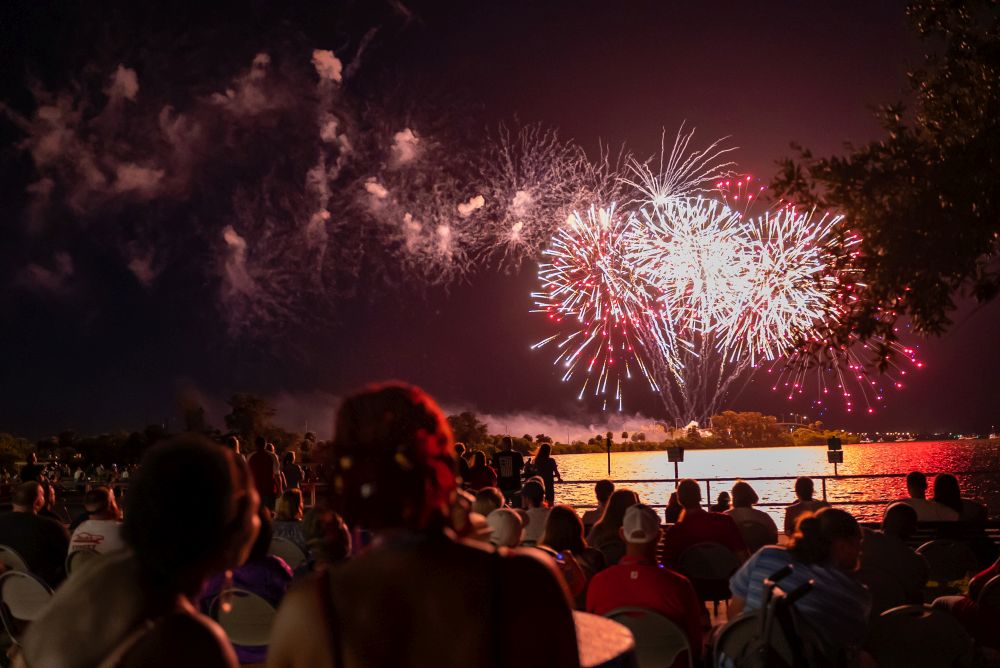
804,502
102,531
136,608
487,500
564,533
535,512
50,509
894,573
41,542
673,511
506,527
32,471
744,497
638,581
328,540
392,471
947,493
293,473
263,574
287,522
606,534
722,505
697,525
480,475
927,511
603,490
463,464
824,548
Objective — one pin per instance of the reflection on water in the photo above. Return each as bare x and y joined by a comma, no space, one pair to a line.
881,458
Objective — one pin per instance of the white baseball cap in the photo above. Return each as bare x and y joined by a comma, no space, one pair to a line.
507,526
641,524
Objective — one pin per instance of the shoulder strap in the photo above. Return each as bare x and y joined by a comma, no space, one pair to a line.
329,610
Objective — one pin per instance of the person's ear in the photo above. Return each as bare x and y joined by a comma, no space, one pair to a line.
621,533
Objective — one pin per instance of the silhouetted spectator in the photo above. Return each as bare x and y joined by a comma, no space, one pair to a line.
638,581
947,493
927,510
32,471
463,464
894,573
192,512
804,502
480,475
264,467
102,531
603,490
697,525
392,471
722,504
287,521
744,497
292,472
42,542
606,534
263,574
564,533
825,548
548,470
509,463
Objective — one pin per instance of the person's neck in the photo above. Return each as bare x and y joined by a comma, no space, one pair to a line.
642,552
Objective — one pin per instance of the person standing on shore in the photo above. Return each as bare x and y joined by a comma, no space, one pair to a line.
509,464
549,471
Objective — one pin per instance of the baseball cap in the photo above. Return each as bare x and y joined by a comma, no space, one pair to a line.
641,524
507,526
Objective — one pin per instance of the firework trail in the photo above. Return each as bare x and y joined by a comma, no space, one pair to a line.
589,289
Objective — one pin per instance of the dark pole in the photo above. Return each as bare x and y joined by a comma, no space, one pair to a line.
608,445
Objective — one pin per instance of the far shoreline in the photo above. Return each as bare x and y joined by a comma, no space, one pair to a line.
663,447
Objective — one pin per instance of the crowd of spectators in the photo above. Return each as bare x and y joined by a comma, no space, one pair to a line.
398,550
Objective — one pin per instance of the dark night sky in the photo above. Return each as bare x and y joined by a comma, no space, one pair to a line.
765,73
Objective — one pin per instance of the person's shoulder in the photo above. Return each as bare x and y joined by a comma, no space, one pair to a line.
189,639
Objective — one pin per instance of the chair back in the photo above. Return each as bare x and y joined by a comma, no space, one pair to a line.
950,563
12,560
709,567
287,550
658,640
886,589
989,597
249,617
76,559
932,638
23,599
740,636
755,535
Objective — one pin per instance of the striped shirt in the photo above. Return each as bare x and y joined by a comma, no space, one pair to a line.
836,609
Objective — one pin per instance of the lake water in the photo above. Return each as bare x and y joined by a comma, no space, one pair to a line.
865,458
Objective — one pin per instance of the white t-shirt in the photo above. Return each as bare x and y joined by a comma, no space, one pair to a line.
931,511
101,536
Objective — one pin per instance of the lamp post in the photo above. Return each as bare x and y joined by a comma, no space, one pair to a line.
607,443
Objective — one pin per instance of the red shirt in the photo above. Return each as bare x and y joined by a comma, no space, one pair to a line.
633,582
699,526
262,468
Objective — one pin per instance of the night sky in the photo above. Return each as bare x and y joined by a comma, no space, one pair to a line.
93,349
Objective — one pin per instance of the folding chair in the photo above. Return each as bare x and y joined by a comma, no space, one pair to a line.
246,618
951,563
287,550
23,599
755,535
709,566
918,636
11,560
658,640
989,597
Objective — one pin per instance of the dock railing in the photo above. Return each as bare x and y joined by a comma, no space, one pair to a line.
821,478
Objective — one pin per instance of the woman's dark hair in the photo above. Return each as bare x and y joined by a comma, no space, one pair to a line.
263,542
744,495
607,527
815,533
184,505
947,492
603,490
544,454
478,458
289,458
391,462
564,530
